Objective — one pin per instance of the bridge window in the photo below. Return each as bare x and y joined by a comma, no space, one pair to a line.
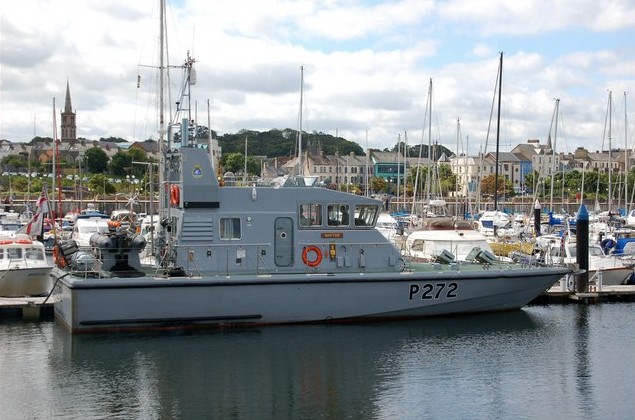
310,214
338,215
230,228
366,214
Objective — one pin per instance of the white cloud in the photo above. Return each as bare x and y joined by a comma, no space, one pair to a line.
532,17
367,65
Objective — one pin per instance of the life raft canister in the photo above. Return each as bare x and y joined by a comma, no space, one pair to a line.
311,262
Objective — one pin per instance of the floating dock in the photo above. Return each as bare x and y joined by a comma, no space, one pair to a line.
561,294
26,308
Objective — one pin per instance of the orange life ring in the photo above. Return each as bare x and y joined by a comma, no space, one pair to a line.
6,242
23,241
305,256
175,195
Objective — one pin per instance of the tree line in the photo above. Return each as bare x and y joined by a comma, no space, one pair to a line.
105,176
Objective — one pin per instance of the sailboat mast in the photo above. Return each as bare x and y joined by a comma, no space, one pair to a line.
53,166
398,167
245,170
610,198
367,163
456,170
428,179
626,168
59,177
468,199
498,129
300,167
210,146
553,151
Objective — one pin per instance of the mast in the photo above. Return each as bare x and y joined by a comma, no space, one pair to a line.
162,173
53,166
300,167
626,168
428,179
456,185
610,199
210,146
415,188
161,75
553,151
468,200
398,167
367,163
348,174
582,186
405,167
498,129
245,170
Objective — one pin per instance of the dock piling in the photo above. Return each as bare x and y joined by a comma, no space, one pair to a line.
582,249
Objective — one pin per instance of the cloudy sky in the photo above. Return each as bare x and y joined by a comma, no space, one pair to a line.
367,68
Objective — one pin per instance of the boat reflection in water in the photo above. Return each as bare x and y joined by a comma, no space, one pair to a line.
334,371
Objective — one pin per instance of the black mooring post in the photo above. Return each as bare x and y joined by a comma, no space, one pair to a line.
537,218
582,249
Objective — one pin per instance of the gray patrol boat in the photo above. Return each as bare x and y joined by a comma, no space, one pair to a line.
292,252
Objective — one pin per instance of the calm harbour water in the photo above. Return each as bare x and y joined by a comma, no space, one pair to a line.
555,361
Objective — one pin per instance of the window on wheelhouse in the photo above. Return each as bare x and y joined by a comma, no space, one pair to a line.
337,215
14,253
366,214
34,254
310,215
230,228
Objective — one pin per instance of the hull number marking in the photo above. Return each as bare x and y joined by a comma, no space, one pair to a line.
432,291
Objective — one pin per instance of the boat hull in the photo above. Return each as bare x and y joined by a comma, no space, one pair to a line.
18,282
615,276
114,304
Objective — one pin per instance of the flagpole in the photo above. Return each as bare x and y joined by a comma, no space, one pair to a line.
35,227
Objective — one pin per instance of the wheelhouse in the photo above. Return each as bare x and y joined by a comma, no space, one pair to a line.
337,215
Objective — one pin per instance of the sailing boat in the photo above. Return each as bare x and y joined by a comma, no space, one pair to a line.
440,237
606,221
430,205
491,222
496,224
241,257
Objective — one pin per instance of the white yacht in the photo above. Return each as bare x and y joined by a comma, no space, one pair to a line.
86,225
24,268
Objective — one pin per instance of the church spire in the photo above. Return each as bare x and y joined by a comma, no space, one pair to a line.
67,104
69,127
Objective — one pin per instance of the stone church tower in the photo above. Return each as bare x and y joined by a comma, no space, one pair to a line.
69,127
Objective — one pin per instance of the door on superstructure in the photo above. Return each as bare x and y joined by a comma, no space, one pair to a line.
283,242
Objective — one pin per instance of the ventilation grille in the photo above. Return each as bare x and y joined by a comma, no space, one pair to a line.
197,230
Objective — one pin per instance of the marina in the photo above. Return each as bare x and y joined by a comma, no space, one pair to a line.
284,251
544,361
391,257
290,251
